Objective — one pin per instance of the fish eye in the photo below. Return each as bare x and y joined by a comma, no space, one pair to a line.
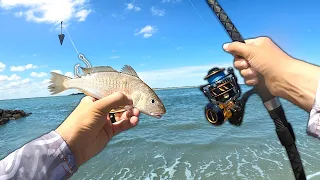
152,100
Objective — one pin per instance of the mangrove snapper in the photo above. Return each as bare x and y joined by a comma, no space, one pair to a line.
102,81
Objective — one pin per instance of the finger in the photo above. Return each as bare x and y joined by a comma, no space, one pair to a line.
106,104
252,81
248,73
125,115
118,115
135,112
124,125
251,41
87,99
129,114
84,102
241,64
238,48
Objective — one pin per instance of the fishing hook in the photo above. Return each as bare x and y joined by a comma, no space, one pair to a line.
83,58
77,66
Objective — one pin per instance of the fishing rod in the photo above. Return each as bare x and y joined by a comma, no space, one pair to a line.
272,103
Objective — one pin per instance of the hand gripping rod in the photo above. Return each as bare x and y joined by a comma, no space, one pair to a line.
272,104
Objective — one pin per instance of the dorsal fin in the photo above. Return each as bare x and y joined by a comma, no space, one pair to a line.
129,70
98,69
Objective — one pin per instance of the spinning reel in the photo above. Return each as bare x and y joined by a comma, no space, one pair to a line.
223,92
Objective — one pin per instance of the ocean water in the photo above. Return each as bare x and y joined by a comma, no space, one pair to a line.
181,145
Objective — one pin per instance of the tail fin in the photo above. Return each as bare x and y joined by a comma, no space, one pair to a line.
57,81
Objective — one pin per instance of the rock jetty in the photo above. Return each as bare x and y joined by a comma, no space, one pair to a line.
7,115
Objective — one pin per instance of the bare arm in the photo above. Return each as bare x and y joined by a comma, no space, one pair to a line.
299,83
286,77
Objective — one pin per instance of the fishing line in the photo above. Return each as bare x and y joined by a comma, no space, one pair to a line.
80,56
199,15
71,41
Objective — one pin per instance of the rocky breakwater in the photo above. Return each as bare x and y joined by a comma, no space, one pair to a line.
7,115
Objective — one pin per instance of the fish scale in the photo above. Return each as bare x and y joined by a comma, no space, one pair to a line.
102,81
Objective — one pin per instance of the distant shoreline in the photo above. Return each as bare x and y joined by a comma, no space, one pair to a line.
181,87
166,88
74,94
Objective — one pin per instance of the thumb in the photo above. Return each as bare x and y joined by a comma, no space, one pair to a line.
106,104
240,49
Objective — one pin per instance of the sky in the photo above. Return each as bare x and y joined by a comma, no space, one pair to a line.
167,42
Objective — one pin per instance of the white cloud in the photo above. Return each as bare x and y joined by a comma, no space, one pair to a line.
9,78
23,68
45,81
114,57
57,71
147,31
39,75
25,88
2,66
14,84
174,77
157,12
28,88
180,76
3,78
147,35
69,74
48,11
14,77
82,14
131,6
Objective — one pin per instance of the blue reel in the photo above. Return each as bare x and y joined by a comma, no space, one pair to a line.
223,92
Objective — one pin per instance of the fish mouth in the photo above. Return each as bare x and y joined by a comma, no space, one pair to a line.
156,115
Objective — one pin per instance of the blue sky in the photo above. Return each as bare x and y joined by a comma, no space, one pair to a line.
166,42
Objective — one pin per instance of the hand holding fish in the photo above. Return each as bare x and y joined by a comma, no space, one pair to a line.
101,81
88,128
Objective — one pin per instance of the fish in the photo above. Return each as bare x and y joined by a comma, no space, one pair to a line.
101,81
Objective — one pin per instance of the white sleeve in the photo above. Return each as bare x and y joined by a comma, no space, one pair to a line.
313,128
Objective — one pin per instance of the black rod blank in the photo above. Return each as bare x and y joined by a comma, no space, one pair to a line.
283,128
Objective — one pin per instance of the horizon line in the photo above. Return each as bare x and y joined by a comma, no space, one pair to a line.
164,88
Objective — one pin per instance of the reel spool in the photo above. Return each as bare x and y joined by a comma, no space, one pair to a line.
223,92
